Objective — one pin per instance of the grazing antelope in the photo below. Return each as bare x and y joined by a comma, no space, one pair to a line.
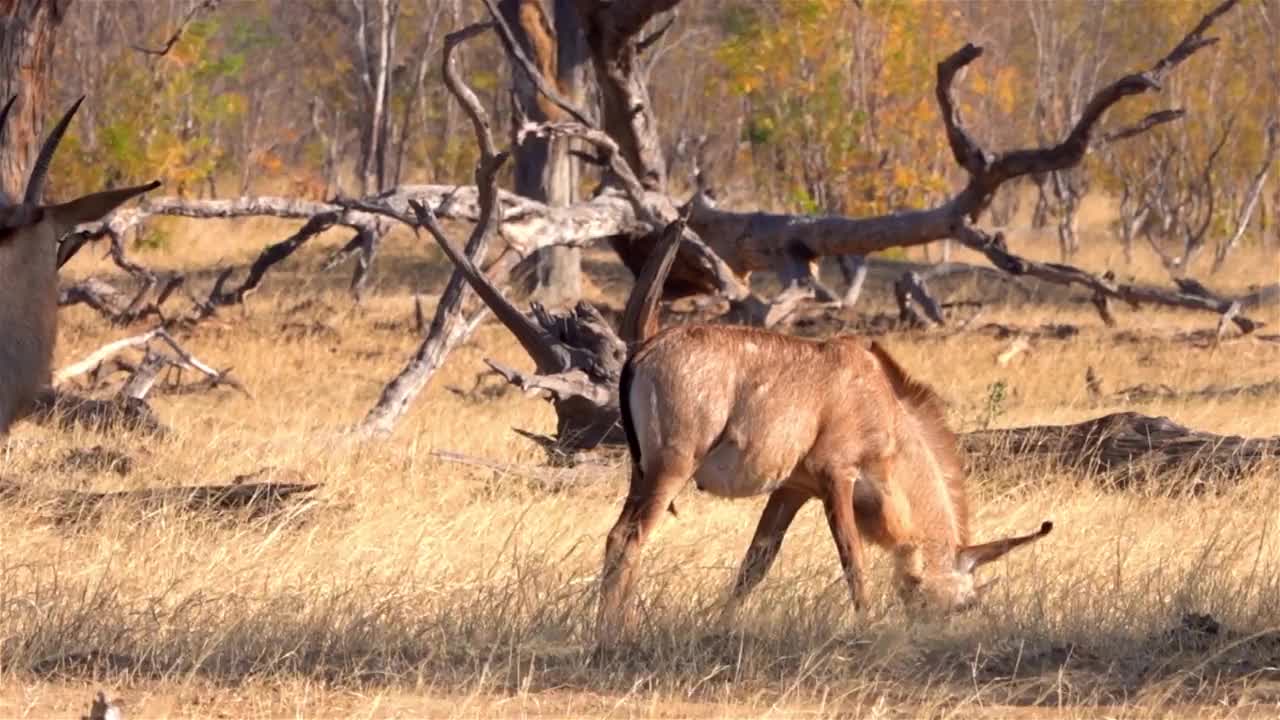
30,256
746,412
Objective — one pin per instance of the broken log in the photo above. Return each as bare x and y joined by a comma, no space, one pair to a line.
257,494
69,410
1127,446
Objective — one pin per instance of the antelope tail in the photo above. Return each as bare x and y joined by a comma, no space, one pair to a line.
629,425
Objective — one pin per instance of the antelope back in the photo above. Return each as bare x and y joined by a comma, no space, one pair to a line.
747,407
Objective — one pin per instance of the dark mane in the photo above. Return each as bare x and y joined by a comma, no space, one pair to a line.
930,411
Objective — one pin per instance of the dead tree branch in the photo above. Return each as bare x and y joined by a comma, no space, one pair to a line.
202,6
449,326
789,244
1103,287
1251,196
101,355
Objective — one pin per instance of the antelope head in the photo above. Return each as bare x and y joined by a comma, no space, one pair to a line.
942,583
32,248
43,226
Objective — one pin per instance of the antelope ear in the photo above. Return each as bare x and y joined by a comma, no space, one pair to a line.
974,556
93,207
985,587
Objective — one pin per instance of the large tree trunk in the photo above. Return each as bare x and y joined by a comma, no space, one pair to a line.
26,45
560,268
613,33
545,170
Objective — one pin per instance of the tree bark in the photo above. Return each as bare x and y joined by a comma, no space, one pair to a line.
27,29
559,269
544,168
613,34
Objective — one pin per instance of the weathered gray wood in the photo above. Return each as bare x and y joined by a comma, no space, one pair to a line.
451,325
1103,286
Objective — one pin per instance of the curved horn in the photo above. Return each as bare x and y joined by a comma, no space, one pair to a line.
35,184
4,114
968,558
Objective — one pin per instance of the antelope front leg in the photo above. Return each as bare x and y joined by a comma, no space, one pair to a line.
838,503
778,513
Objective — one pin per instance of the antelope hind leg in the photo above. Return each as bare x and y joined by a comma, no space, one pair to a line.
644,509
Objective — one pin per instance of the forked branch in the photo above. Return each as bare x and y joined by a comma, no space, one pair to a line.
450,325
988,171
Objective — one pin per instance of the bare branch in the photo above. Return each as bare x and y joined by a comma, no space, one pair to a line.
562,387
202,6
1159,117
271,255
92,292
988,172
788,244
449,325
533,340
1251,195
964,148
1102,286
609,153
102,354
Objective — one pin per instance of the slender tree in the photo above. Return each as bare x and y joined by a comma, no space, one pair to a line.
27,29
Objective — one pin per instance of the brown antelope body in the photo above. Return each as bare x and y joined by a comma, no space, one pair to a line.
746,412
30,256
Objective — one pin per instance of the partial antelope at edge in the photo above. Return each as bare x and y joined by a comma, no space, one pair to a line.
30,255
747,412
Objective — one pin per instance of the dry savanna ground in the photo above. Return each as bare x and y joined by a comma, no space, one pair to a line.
420,587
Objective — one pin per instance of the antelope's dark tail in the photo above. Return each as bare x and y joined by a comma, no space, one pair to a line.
628,424
624,406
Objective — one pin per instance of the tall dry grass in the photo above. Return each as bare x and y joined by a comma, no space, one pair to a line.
416,587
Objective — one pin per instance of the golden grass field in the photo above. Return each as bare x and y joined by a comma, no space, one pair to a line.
421,588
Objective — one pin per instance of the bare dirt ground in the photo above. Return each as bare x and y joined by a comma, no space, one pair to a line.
416,587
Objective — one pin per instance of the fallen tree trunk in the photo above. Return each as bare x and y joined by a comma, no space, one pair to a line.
1126,446
258,494
69,410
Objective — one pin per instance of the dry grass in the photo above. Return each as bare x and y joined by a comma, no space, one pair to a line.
422,588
